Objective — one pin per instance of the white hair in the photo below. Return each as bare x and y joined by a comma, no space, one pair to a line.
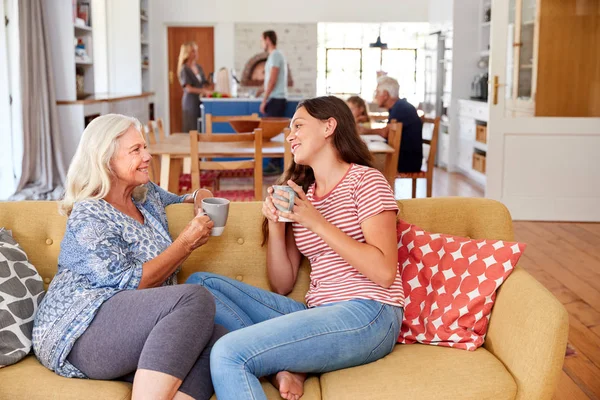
388,84
89,173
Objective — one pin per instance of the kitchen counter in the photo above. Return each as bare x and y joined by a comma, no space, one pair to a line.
239,106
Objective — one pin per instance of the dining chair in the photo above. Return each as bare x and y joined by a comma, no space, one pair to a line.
160,129
430,162
211,119
153,171
394,140
255,163
253,122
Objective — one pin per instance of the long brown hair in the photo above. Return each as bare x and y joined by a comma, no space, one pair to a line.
360,103
345,139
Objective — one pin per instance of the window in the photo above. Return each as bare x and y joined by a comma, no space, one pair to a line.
343,71
347,65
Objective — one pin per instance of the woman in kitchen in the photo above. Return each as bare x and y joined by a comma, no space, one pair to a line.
194,84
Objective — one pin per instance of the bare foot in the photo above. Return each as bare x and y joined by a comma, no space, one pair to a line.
290,384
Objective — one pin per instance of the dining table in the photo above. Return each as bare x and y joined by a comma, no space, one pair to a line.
173,149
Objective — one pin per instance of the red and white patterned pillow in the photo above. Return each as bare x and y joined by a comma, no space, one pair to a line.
450,285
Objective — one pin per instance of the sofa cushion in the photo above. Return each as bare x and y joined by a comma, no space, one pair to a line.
30,380
39,229
415,371
21,290
237,253
450,285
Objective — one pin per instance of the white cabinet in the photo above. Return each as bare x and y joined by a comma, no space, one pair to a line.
470,114
443,150
465,154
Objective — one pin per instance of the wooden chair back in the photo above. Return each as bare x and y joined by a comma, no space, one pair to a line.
152,131
161,129
256,163
149,133
394,140
433,142
209,119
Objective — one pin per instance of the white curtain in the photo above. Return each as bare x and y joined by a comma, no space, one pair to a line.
44,171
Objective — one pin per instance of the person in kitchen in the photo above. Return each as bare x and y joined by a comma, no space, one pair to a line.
411,147
275,88
194,84
276,76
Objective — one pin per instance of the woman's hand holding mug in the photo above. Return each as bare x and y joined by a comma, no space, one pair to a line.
196,233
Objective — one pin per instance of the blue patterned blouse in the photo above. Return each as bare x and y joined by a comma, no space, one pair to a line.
101,254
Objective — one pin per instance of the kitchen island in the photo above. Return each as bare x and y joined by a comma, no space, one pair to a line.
238,106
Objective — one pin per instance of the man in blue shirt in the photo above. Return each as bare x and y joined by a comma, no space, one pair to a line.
276,76
411,146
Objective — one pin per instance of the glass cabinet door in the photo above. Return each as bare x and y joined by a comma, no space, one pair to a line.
526,46
511,73
521,56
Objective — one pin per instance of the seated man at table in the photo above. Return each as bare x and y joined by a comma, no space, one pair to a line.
411,146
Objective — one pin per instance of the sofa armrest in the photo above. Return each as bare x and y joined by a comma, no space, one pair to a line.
528,332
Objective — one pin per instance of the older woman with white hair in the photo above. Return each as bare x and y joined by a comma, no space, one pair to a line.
113,310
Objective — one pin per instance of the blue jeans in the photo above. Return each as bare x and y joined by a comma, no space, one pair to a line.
312,340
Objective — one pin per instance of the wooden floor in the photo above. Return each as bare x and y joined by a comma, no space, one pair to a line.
444,184
565,258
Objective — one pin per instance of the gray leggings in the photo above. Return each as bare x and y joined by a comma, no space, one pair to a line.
167,329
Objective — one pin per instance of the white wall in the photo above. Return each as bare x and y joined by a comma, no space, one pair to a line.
465,55
223,14
99,39
441,13
59,18
124,50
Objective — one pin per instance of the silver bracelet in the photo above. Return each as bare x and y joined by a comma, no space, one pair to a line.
195,194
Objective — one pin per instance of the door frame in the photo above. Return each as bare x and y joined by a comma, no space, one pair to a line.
165,79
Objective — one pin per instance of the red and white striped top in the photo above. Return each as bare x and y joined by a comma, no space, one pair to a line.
360,195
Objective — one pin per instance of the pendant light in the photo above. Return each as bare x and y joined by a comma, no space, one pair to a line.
378,43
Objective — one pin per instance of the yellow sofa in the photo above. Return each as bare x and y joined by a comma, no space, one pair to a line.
521,358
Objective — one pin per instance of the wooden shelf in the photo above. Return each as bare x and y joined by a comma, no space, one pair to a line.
80,62
526,66
480,146
478,177
145,67
82,28
143,18
145,43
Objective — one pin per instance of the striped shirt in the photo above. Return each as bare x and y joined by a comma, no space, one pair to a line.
361,194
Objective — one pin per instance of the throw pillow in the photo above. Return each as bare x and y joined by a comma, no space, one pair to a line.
450,285
21,290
